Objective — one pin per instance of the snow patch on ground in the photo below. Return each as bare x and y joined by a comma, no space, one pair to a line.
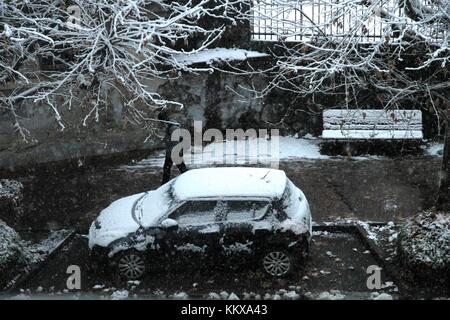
180,296
120,295
246,152
10,189
370,234
18,256
281,294
425,240
13,253
217,54
325,295
40,250
380,296
233,296
435,149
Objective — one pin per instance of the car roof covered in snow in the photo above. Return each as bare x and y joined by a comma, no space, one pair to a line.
230,182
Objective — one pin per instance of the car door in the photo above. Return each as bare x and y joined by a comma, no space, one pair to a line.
196,241
241,230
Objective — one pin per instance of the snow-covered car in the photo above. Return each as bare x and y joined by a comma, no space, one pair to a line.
211,217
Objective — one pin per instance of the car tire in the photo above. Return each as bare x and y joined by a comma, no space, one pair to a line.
130,265
277,262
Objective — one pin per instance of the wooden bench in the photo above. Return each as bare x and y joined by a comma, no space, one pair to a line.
359,129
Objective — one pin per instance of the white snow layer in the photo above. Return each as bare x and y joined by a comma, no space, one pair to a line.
425,240
114,222
371,134
372,124
435,149
243,151
120,295
217,54
10,188
11,247
126,215
229,182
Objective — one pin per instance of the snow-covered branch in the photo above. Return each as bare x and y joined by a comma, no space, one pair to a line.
394,50
93,47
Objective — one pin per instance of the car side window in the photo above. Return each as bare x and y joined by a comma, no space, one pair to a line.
195,213
248,210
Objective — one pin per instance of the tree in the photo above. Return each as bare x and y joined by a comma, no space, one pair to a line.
396,49
98,46
372,53
443,200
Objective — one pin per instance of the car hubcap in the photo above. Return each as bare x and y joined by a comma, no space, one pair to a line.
276,263
132,266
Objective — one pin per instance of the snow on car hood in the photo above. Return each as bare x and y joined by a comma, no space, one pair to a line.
114,222
154,205
126,215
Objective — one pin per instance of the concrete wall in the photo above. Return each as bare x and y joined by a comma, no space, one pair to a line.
220,100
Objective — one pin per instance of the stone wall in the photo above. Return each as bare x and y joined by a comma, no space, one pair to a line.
220,100
48,142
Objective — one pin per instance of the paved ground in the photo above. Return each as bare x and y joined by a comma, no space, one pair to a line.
337,265
375,190
369,190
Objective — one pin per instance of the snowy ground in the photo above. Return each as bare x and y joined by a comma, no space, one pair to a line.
370,189
434,149
260,151
246,152
335,270
36,247
338,189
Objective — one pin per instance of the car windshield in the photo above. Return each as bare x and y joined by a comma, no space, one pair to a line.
150,208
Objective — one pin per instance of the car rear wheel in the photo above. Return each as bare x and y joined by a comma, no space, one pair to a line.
131,265
277,263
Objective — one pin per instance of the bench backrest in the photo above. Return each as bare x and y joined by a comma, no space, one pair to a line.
372,124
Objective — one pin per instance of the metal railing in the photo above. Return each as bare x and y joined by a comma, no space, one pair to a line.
306,20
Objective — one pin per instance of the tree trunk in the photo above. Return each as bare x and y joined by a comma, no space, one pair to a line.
443,200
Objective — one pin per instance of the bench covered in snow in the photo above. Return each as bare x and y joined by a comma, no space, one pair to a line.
358,125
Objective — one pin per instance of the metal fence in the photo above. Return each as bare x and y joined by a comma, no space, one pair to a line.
306,20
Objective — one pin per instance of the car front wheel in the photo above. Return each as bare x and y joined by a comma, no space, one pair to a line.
277,263
131,265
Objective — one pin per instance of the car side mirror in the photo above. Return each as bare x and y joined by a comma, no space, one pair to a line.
169,224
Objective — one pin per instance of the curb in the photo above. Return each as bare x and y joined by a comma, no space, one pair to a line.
380,258
27,275
374,249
